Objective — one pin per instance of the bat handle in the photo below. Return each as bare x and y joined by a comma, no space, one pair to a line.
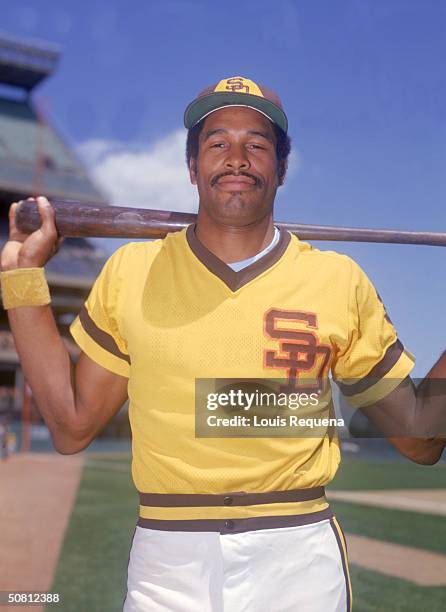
76,219
27,217
72,219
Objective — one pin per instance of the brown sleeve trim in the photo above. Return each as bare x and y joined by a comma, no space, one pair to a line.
101,337
384,366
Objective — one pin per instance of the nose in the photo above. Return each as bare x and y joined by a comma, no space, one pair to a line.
237,158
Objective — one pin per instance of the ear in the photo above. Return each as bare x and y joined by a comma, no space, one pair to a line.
193,170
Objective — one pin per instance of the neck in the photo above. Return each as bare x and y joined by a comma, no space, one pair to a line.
231,243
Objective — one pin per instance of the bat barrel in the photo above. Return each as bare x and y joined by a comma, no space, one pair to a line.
74,219
358,234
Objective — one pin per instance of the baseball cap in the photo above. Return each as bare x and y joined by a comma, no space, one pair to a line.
236,91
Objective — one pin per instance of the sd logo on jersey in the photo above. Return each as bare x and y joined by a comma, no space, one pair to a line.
299,348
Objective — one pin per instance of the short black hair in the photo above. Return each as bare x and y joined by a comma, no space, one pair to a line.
283,147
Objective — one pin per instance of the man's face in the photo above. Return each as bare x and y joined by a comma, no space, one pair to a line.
236,170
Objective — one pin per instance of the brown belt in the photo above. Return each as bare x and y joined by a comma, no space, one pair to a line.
239,498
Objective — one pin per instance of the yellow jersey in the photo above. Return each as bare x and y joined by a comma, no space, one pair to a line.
169,312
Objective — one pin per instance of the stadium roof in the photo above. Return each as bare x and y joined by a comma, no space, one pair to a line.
34,158
24,63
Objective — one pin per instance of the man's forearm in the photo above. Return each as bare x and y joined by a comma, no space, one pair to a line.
430,407
46,364
414,418
426,415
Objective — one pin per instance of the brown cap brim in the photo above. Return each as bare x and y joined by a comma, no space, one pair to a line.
203,106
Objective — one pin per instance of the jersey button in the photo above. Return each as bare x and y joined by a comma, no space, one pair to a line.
228,500
229,524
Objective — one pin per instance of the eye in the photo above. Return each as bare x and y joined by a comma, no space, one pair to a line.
217,145
255,146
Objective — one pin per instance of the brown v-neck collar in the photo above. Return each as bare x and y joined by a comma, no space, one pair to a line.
235,280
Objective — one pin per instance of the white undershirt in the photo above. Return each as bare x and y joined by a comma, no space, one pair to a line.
239,265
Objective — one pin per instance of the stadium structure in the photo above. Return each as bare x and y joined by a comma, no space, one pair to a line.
35,160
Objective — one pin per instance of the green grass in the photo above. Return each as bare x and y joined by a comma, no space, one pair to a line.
373,592
92,571
91,575
407,528
355,474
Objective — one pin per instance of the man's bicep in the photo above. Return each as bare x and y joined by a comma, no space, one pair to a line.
99,393
98,329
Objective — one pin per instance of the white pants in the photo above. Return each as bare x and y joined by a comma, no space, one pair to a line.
288,569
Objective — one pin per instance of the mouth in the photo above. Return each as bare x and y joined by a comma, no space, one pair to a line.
236,182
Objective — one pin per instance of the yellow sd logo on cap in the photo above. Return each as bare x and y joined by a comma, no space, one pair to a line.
240,85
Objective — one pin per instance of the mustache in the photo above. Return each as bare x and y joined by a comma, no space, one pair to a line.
216,178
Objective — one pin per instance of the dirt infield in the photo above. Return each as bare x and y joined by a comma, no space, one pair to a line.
421,567
427,501
37,493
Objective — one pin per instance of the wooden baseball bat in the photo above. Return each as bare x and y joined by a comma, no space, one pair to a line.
90,220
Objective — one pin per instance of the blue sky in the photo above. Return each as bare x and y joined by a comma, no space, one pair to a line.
363,84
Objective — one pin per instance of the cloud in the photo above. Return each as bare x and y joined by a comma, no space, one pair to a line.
155,177
294,164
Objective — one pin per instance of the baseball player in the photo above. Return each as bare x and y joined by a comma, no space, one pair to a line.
225,523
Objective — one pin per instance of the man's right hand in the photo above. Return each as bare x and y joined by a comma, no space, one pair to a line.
35,249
